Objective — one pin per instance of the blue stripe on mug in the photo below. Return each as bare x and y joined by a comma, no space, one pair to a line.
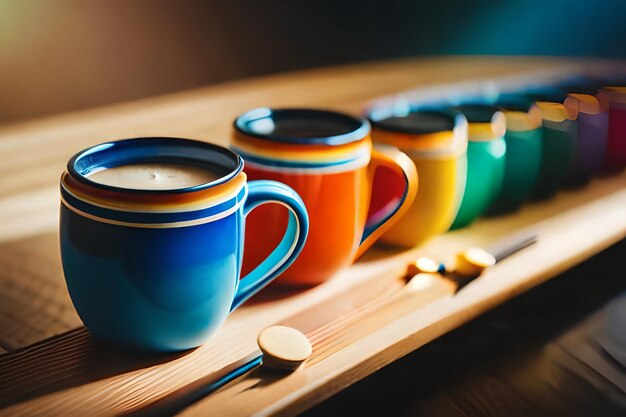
145,219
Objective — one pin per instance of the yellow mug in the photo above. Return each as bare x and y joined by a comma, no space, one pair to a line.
436,141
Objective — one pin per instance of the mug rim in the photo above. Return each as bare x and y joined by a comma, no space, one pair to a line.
154,141
361,127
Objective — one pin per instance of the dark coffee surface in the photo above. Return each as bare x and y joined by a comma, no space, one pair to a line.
303,124
418,122
304,127
514,102
477,113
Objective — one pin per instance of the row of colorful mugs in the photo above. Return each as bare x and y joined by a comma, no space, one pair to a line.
488,156
522,144
161,269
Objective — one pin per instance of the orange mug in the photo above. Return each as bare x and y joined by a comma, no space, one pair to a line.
328,158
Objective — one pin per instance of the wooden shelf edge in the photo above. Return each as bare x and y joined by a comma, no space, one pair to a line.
528,269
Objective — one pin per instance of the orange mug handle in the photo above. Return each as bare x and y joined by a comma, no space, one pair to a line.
401,165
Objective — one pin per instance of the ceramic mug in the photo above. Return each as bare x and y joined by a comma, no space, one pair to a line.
583,97
560,148
523,139
327,157
593,132
436,141
159,270
561,154
613,100
486,152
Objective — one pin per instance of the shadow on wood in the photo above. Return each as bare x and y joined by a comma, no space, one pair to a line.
66,361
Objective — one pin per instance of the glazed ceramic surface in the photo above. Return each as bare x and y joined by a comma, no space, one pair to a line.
560,160
486,152
436,141
328,159
159,270
560,149
593,131
614,99
584,98
523,139
485,174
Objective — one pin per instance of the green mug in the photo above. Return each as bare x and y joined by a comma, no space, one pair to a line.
486,152
524,149
560,142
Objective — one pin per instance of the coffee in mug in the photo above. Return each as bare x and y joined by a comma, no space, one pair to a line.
152,176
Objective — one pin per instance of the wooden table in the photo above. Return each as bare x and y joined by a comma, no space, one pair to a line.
69,374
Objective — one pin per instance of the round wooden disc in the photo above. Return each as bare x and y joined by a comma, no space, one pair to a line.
423,265
284,347
473,261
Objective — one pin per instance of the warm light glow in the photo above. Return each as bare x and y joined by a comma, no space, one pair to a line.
427,265
479,257
421,281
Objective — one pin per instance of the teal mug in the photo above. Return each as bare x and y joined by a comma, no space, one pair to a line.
486,152
559,162
524,150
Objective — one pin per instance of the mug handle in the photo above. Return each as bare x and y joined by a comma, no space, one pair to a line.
263,192
402,166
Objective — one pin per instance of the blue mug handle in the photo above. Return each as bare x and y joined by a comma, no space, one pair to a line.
263,192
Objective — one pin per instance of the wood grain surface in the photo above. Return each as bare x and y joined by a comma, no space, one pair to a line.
70,374
536,355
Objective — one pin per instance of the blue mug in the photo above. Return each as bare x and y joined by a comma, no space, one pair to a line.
159,269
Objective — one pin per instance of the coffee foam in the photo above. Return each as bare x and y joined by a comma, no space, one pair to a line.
154,176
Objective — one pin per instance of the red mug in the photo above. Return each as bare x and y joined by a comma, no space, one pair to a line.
613,100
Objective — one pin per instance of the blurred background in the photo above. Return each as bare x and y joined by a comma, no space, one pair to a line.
65,55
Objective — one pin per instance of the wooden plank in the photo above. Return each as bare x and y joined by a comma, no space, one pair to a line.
69,374
34,303
572,230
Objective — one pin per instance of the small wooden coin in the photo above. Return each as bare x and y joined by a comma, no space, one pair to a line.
423,265
473,261
283,347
